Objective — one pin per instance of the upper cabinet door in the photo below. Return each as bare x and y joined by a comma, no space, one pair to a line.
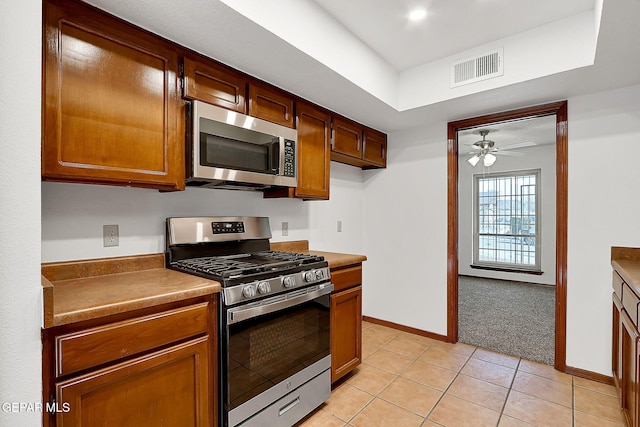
314,151
347,137
375,148
112,113
269,103
207,81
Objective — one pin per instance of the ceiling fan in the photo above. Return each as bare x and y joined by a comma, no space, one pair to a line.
485,150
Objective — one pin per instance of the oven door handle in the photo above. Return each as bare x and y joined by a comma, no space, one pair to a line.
270,305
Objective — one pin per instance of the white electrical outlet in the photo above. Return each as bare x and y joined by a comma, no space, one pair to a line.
110,235
339,226
285,228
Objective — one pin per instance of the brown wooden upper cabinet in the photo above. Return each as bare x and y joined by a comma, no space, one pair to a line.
269,103
208,81
375,148
357,145
112,112
314,151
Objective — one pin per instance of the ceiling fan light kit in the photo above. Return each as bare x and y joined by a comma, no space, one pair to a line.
474,160
486,147
489,159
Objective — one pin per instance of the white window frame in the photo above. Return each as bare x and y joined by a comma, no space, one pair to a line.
500,265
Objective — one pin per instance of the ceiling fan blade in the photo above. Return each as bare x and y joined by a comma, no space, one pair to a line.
517,145
509,153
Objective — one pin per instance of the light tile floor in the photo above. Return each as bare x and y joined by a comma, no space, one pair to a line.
410,380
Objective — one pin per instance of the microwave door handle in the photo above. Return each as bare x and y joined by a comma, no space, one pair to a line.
240,314
277,154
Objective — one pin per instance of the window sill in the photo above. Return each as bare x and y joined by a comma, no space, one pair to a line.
507,270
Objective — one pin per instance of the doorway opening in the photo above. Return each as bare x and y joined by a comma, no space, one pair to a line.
510,239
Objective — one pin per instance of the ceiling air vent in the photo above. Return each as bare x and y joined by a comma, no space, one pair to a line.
481,67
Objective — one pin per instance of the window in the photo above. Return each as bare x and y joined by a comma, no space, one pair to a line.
506,223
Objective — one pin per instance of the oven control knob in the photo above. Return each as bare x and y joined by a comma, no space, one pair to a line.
264,288
319,274
248,291
309,276
289,282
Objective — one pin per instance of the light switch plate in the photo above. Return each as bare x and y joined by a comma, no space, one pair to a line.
285,228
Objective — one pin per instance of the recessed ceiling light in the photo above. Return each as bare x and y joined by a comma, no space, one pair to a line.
417,14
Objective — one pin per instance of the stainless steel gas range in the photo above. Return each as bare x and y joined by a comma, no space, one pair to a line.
275,361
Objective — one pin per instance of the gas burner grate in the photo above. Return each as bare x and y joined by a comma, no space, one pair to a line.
290,256
218,266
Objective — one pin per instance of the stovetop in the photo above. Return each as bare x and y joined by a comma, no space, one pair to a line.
243,265
235,252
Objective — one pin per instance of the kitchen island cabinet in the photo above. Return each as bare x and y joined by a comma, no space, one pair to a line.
128,343
625,336
111,108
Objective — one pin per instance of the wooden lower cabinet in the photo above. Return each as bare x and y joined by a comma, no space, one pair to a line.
152,367
629,377
167,388
616,351
346,324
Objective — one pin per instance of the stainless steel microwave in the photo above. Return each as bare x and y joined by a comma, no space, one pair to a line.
227,149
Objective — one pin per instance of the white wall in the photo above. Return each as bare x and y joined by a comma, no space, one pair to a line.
604,211
20,290
542,157
405,223
73,216
405,233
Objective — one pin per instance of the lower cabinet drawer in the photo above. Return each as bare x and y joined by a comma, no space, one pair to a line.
630,302
87,348
617,284
346,278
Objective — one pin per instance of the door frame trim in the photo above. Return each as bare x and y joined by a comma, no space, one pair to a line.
560,111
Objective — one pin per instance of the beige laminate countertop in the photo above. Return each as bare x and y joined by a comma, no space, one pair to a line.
83,290
338,260
335,259
626,261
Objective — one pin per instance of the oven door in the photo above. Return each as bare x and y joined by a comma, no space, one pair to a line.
272,348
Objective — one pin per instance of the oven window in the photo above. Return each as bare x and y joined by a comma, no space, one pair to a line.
268,349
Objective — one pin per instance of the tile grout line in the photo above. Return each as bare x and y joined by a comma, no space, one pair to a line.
506,399
449,386
376,396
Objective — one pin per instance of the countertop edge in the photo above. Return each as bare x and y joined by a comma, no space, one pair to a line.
629,270
131,305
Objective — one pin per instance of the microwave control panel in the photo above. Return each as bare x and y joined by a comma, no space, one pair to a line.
289,158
